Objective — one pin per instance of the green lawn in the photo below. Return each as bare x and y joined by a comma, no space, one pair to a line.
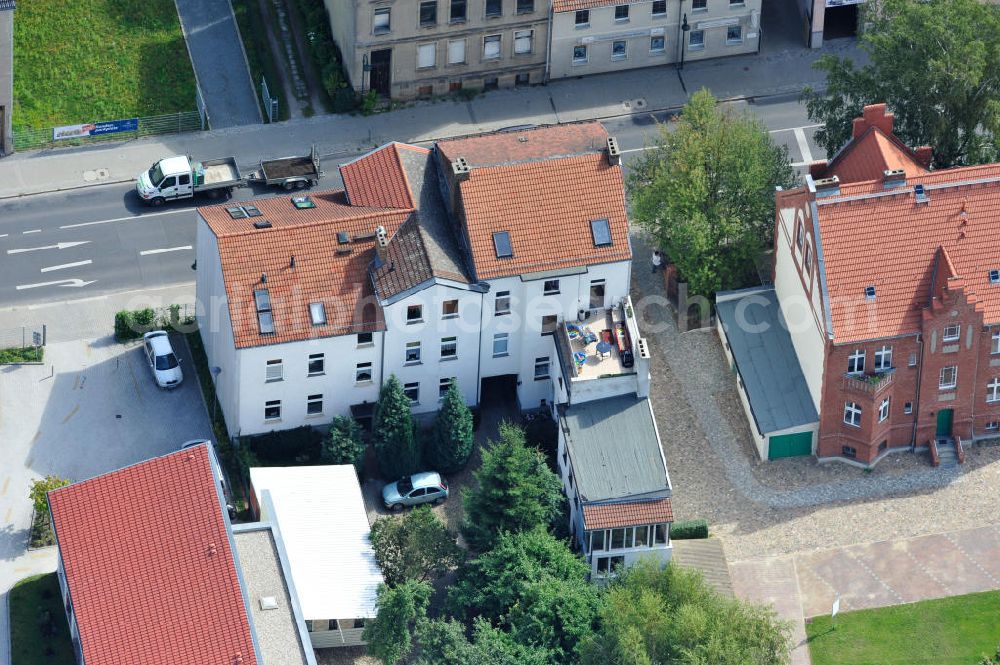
39,634
947,631
78,61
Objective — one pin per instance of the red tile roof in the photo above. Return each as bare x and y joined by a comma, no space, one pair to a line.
635,513
529,145
151,573
890,241
378,179
547,207
339,281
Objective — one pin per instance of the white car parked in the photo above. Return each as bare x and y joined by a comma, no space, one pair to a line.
162,360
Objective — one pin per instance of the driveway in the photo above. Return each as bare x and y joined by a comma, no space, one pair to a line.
90,408
220,65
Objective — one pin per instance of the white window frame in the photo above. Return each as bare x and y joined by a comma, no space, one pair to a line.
852,414
451,51
807,260
992,426
274,371
443,386
445,314
695,7
732,41
411,347
943,382
883,410
449,348
883,358
661,49
692,46
621,56
501,303
362,345
576,17
493,39
363,368
586,54
656,14
414,386
422,51
321,359
856,361
312,400
418,318
908,408
271,404
995,348
993,390
912,361
622,19
542,363
951,333
550,287
519,35
504,340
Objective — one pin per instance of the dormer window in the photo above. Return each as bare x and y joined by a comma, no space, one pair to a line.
501,243
995,277
869,293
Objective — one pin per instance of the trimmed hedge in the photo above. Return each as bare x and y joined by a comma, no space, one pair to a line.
133,324
294,447
689,530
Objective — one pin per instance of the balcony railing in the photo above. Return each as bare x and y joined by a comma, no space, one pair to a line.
869,384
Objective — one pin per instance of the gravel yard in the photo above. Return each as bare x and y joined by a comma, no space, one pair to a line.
794,504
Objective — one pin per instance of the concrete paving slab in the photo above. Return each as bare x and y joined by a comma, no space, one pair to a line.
957,572
773,581
909,583
856,585
982,546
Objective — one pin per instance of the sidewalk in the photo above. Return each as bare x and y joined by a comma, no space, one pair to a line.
783,72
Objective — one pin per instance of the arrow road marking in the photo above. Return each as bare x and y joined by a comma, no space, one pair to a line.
61,282
61,245
164,251
75,264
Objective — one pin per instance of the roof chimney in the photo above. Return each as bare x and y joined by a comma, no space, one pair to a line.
381,244
614,154
893,178
873,115
460,167
827,186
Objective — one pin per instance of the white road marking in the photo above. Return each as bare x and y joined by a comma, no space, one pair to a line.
31,231
164,251
792,129
800,138
75,264
3,235
125,219
60,245
61,282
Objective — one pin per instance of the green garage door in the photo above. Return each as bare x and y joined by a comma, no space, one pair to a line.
790,445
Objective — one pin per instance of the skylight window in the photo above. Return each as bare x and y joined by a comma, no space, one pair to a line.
343,237
237,213
265,319
869,293
252,211
501,242
995,277
601,230
317,313
303,202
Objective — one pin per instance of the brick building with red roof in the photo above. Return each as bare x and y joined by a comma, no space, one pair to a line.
888,275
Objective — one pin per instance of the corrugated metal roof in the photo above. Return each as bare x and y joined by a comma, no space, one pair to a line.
762,347
320,514
615,449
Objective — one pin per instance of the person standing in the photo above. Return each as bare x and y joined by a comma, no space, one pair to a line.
657,260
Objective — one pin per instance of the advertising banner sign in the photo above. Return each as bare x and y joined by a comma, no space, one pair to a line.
94,129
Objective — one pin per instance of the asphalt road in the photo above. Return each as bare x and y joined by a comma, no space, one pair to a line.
102,239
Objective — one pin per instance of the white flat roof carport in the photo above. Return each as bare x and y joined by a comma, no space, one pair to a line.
320,513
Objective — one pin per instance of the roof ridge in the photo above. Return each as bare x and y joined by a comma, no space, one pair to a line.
321,222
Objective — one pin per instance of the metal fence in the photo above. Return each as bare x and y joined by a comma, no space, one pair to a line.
22,344
171,123
270,103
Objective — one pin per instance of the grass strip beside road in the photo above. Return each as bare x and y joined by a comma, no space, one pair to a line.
28,354
81,61
946,631
39,634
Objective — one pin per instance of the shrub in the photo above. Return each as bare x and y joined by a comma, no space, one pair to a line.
394,434
450,444
343,445
297,446
133,324
326,56
41,526
689,529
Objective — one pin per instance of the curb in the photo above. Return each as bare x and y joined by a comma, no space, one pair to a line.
749,99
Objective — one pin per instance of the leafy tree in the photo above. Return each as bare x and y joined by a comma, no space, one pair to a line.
516,490
343,444
491,585
443,642
400,608
417,547
995,660
936,63
556,614
39,493
670,615
706,193
393,435
451,441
